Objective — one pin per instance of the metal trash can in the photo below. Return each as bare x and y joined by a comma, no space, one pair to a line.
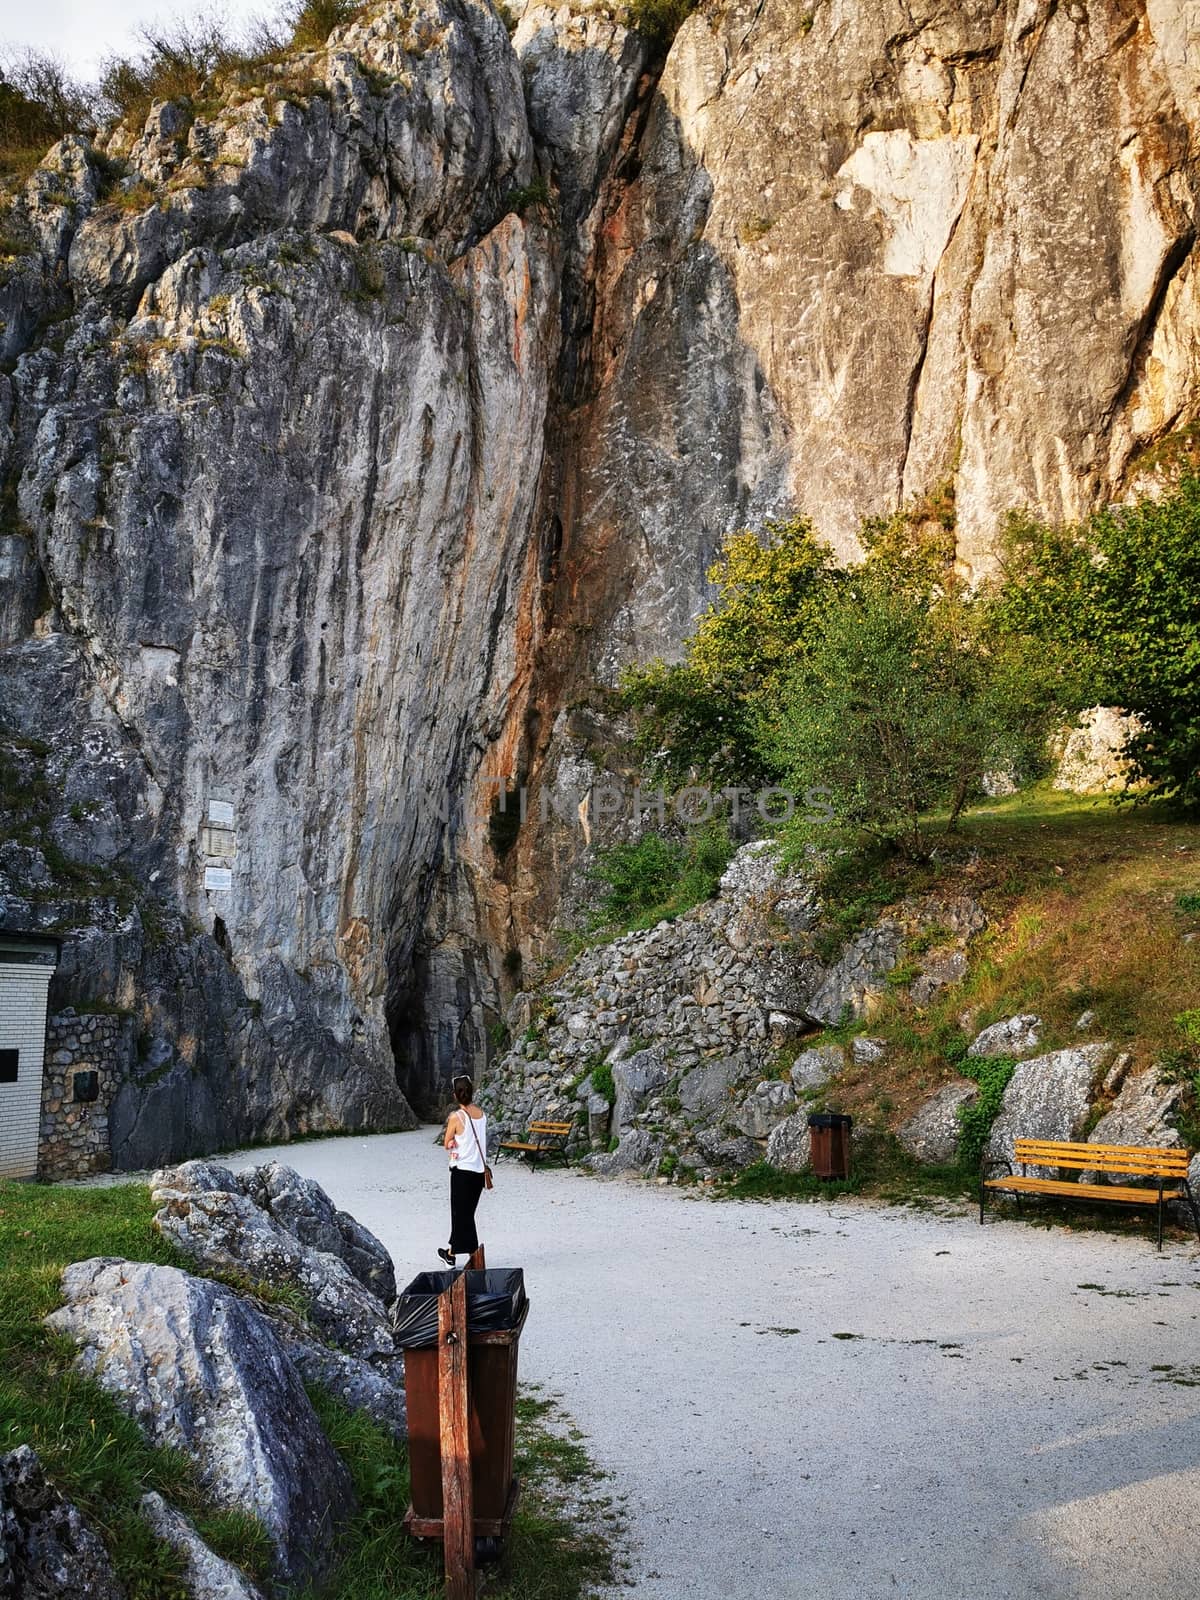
830,1137
496,1311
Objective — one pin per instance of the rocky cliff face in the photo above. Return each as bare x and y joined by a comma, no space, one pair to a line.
337,463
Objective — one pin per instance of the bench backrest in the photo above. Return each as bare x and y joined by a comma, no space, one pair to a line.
1137,1160
557,1130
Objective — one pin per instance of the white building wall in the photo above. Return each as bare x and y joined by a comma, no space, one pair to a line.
23,989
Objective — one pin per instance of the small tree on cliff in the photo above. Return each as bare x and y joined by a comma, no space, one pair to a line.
700,716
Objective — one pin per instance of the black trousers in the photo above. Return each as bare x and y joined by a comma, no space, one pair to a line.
465,1189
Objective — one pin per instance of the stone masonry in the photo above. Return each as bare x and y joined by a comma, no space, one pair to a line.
74,1133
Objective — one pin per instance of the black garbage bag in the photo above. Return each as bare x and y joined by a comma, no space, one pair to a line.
495,1299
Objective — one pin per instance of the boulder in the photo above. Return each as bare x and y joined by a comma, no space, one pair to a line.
1180,1208
812,1069
638,1152
599,1121
205,1574
299,1205
1093,759
783,1029
1048,1097
723,1151
634,1078
931,1134
867,1052
200,1370
48,1551
1014,1036
763,1108
789,1146
228,1233
357,1384
939,969
1138,1116
302,1207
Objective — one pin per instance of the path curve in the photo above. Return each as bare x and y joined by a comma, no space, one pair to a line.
994,1428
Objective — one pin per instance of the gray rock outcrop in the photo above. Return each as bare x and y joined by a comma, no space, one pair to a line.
224,1232
931,1134
201,1371
1048,1097
637,1152
207,1575
812,1069
1013,1036
48,1550
635,1077
1139,1115
763,1108
697,996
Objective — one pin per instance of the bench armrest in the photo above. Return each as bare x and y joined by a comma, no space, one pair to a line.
994,1165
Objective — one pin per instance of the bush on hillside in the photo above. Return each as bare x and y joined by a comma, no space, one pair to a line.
653,877
1118,597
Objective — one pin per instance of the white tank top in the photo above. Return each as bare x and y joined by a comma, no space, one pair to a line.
465,1154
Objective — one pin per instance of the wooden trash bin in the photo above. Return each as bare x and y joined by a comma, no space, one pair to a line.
491,1366
829,1132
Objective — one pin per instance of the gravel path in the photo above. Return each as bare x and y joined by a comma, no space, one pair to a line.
840,1400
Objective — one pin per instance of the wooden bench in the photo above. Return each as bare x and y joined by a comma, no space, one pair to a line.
547,1141
1147,1162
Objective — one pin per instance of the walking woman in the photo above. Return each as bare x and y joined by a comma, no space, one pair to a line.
466,1142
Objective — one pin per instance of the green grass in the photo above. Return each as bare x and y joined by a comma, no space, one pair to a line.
546,1557
561,1543
92,1451
1087,903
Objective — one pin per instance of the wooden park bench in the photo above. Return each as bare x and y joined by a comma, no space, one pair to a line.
547,1141
1157,1168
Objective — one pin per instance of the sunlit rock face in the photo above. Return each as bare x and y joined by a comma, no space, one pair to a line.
398,394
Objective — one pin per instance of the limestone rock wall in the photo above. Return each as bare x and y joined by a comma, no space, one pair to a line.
382,403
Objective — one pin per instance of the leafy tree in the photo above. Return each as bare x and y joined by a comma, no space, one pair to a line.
901,704
699,715
1118,597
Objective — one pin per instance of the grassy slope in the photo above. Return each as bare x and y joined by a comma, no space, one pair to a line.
1088,907
1083,906
97,1457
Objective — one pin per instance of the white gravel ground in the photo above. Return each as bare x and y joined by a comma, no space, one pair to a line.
1001,1424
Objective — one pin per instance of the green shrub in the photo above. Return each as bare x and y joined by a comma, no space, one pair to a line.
653,878
1116,598
532,196
700,716
310,22
1188,1023
975,1121
638,875
602,1082
1188,903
